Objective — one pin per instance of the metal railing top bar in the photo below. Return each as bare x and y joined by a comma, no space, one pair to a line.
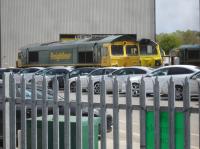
84,104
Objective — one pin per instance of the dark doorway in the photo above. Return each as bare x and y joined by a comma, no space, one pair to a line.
85,57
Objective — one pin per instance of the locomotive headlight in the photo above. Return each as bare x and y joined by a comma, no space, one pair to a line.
157,62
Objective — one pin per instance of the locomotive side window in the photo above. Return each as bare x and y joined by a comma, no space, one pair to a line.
33,57
117,50
131,50
147,50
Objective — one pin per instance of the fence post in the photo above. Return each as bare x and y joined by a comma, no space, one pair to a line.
6,111
12,112
67,136
157,113
19,134
142,115
186,106
33,114
129,114
199,110
23,113
115,115
171,113
103,114
91,113
44,114
78,114
55,114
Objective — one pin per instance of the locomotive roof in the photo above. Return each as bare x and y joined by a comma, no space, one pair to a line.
190,46
82,42
114,38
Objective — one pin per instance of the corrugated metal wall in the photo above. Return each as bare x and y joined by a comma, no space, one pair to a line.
30,21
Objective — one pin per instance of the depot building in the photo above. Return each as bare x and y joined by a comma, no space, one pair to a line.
37,21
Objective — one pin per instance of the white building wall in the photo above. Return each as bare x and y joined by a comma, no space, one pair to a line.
34,21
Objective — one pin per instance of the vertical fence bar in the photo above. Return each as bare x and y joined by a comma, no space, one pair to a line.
129,115
78,115
23,113
67,135
19,134
34,115
55,114
171,111
12,112
157,113
142,115
186,106
91,114
6,112
103,114
44,115
199,107
115,115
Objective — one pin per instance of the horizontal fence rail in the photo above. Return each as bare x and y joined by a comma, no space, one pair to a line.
15,99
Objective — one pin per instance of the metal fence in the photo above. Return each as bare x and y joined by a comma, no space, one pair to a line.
11,102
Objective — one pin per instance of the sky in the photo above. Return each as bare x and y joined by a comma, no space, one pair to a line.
172,15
